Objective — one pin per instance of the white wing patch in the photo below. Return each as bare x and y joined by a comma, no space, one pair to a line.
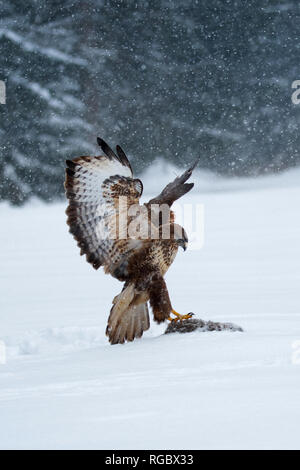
90,174
93,186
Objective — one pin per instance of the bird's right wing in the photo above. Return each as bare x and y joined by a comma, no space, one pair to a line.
94,186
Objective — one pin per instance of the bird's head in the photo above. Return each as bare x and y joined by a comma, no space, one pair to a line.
180,236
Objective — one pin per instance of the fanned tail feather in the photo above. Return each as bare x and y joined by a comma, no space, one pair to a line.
127,321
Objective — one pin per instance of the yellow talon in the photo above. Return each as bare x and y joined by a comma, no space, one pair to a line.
179,317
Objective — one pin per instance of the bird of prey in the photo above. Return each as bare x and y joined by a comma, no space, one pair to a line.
132,241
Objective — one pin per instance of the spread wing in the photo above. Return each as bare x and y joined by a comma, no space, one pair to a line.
93,186
170,194
175,189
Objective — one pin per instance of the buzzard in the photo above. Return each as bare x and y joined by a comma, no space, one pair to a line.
135,243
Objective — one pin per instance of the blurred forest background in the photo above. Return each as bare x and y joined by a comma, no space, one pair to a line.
164,78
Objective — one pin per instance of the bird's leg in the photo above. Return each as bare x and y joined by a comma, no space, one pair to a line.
179,317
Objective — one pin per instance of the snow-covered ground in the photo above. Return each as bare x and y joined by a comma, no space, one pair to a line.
64,386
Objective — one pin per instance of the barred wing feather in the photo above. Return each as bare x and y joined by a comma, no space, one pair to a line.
93,186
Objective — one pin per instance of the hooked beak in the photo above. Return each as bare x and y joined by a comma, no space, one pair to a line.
183,244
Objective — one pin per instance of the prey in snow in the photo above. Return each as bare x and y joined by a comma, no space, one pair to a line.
135,243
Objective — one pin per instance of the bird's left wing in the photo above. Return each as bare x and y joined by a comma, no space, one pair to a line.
94,186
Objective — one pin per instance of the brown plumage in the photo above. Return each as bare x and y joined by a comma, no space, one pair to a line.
128,239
